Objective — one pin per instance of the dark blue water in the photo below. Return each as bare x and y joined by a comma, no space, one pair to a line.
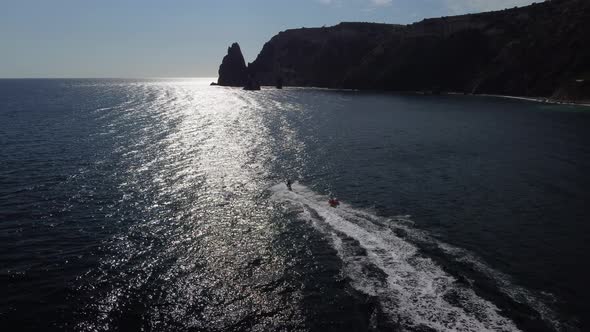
160,205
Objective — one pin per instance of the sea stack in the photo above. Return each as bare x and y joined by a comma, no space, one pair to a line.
233,70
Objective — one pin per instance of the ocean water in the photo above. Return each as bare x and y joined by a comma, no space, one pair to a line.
160,205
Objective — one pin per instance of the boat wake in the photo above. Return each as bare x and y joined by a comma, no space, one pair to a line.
383,258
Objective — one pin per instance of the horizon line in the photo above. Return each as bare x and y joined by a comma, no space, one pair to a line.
109,78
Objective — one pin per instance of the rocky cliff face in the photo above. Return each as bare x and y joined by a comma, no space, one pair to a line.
317,56
538,50
233,70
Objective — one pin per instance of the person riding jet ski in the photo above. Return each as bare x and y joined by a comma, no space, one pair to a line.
334,202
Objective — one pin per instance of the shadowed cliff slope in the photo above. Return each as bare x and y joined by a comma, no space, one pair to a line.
542,50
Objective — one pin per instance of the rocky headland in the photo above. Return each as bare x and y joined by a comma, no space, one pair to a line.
233,70
541,50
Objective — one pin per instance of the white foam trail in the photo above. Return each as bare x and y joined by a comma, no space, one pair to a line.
518,294
413,290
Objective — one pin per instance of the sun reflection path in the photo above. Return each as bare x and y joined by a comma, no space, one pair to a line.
200,251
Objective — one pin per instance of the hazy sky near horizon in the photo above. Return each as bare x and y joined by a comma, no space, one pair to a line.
177,38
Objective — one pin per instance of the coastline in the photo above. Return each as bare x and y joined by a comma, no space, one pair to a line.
543,100
539,100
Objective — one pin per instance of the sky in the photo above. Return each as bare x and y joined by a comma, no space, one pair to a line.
177,38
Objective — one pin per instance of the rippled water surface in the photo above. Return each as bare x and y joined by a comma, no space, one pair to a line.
160,205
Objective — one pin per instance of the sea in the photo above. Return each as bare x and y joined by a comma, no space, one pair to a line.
162,205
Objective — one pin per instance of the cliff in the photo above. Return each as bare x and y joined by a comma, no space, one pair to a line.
540,50
233,70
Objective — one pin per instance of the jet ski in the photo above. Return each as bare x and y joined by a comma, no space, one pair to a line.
334,202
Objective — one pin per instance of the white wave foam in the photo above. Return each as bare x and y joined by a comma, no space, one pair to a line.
536,301
412,289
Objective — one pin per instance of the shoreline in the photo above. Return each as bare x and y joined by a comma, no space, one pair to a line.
543,100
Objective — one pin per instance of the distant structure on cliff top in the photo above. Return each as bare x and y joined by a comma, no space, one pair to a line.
541,50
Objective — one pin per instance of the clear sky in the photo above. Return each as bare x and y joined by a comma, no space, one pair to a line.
177,38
